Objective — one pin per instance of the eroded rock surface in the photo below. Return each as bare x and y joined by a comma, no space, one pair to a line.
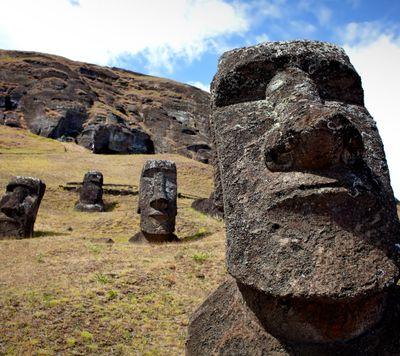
91,193
312,227
157,202
107,110
214,204
19,207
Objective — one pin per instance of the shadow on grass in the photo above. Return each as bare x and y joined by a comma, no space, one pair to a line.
47,233
110,206
201,234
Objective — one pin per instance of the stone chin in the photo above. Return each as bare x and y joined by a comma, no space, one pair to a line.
159,224
301,320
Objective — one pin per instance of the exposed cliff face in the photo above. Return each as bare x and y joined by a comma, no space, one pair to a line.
107,110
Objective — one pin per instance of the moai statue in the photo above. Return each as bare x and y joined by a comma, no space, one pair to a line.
19,207
214,205
312,229
157,202
91,193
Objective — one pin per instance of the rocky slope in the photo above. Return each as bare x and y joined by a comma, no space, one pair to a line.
107,110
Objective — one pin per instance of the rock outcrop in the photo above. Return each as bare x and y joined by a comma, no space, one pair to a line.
19,207
312,228
107,110
91,193
157,202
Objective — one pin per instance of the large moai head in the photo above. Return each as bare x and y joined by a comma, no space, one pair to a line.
311,221
19,207
91,193
157,200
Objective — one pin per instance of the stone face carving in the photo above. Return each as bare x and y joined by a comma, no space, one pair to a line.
311,220
91,193
157,202
19,207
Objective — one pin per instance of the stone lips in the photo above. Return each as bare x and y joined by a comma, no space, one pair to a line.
107,110
19,207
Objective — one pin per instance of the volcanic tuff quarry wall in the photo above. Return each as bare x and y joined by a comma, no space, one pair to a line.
107,110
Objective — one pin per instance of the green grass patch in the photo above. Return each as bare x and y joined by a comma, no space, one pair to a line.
112,294
101,278
86,336
200,257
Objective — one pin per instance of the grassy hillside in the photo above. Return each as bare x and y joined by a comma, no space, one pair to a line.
67,291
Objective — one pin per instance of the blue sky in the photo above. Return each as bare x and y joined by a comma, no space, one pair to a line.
182,39
342,22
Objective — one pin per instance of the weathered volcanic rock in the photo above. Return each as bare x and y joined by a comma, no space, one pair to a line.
19,207
107,110
91,193
208,206
312,228
157,202
225,325
214,205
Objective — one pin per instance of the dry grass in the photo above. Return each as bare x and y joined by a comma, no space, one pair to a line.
66,292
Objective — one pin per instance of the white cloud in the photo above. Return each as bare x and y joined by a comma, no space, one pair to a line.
324,15
200,85
262,38
363,33
354,3
270,9
302,28
261,9
99,31
377,62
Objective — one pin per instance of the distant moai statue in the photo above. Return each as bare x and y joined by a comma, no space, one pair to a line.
19,207
312,228
157,202
91,193
214,204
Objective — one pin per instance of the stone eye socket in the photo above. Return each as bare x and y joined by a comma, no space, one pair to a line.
150,173
23,190
336,82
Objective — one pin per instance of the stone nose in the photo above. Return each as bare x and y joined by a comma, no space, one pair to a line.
159,199
12,205
159,203
325,141
11,210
